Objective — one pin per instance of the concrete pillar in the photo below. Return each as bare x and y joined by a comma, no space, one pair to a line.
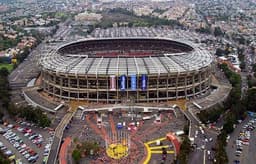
117,89
61,85
157,86
54,86
209,76
177,81
200,81
78,88
107,89
69,87
43,80
97,90
185,89
148,90
193,83
87,83
167,87
48,86
137,88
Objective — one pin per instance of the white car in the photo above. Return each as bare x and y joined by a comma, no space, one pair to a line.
46,154
8,152
21,150
27,156
47,146
10,126
16,145
23,146
25,152
20,129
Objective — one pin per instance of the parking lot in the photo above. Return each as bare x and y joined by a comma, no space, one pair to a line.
25,143
241,143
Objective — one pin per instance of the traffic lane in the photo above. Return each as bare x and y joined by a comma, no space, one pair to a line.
251,155
26,73
202,140
54,150
210,144
231,145
32,57
196,156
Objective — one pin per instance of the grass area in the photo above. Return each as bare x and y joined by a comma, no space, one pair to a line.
8,66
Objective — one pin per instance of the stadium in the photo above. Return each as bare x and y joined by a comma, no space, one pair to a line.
111,70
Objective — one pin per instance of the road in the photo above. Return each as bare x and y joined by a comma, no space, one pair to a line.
199,155
248,155
26,70
58,137
29,69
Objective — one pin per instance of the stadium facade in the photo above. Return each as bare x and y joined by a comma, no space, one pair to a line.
115,69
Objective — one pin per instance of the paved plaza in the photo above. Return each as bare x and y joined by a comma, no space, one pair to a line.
142,132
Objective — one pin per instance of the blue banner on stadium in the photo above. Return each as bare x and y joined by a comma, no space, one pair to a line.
133,82
123,82
144,81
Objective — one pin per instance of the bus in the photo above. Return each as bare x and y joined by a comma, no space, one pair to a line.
179,132
81,108
146,118
198,106
58,107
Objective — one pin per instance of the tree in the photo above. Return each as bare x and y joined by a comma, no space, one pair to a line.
186,128
219,52
211,116
4,87
23,55
6,43
237,111
12,109
30,114
228,125
76,155
4,159
251,99
44,121
87,146
130,24
4,72
241,40
218,31
185,149
206,30
254,67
